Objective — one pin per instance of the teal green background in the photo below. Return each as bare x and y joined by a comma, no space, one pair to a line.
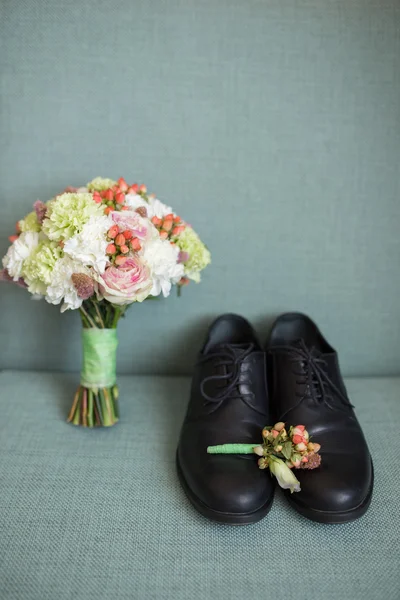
273,127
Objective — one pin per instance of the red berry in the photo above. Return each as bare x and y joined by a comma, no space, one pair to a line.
133,189
109,194
167,225
113,232
120,260
127,234
108,210
119,197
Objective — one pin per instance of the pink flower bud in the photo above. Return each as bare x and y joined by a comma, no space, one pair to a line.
83,284
278,448
177,220
124,249
120,260
97,198
297,431
279,426
275,433
301,427
265,432
142,188
12,238
133,189
317,447
156,221
304,459
109,194
163,235
119,198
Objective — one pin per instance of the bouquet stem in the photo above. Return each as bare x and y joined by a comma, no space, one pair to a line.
94,407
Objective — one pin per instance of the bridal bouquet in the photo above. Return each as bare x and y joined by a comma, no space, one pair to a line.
99,249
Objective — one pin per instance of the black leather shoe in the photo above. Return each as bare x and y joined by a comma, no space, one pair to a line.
306,388
228,404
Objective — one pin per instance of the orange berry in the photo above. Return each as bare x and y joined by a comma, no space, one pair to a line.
177,219
124,249
97,198
108,210
109,194
119,198
123,186
304,459
178,230
113,232
120,239
120,260
135,245
142,188
127,234
167,225
12,238
163,235
297,439
184,281
156,221
133,189
111,249
168,217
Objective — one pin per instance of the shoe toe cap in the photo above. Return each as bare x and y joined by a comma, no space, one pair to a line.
339,485
229,484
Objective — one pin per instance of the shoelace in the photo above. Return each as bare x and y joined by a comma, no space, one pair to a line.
229,358
313,375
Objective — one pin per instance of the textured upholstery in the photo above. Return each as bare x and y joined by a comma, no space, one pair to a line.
93,515
273,126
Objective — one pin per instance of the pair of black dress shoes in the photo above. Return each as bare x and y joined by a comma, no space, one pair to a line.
238,388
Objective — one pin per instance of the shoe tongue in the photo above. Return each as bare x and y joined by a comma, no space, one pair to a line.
236,349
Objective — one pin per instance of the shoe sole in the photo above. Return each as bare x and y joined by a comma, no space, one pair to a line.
334,517
222,517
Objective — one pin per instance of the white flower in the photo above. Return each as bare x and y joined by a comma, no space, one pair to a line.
154,207
18,252
89,246
286,478
162,259
61,287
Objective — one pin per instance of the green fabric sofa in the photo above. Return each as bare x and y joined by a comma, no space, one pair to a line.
274,127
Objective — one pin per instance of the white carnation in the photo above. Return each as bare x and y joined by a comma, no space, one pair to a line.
89,246
154,207
18,252
61,287
162,259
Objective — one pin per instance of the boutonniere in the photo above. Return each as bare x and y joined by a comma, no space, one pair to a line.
281,452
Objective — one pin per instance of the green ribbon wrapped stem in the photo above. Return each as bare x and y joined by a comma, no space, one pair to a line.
232,449
99,358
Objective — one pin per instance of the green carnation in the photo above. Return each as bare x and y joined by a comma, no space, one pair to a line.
68,213
198,254
38,267
99,184
30,223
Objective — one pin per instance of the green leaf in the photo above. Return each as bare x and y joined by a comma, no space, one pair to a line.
287,450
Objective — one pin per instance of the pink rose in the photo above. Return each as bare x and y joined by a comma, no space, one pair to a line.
131,282
131,221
